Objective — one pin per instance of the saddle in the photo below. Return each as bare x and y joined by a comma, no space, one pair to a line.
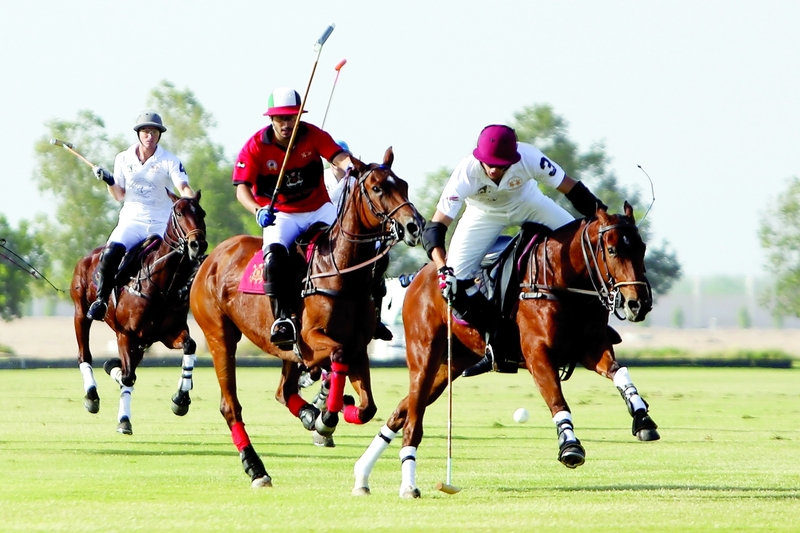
134,257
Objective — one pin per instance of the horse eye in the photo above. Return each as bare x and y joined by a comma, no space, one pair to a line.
612,250
376,189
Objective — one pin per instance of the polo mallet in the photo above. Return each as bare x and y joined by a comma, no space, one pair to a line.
318,50
338,68
448,486
69,147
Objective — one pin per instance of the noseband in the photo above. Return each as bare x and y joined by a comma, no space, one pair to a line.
605,286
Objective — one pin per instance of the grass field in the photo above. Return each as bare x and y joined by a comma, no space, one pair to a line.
729,458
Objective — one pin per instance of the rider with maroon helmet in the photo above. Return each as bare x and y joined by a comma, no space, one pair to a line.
499,183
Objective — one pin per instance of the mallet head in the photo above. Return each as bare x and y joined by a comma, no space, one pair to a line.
339,65
60,143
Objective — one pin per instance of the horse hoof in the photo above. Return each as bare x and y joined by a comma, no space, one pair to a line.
261,482
572,455
92,401
180,403
361,491
410,493
322,440
644,428
125,427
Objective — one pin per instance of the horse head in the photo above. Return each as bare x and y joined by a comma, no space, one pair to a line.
618,263
186,231
385,201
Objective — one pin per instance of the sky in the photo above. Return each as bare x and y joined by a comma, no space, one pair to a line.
702,95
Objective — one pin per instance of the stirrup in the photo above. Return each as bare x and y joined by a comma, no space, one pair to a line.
97,311
283,333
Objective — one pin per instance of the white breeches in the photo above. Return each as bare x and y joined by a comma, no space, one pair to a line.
478,230
289,226
130,233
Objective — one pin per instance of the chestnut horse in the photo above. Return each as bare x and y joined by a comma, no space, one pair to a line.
149,304
337,312
572,278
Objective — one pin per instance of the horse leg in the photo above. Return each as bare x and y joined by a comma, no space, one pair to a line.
537,358
91,400
222,337
181,399
123,371
360,379
320,401
365,464
288,394
643,427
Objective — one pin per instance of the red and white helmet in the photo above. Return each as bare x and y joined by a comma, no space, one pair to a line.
284,101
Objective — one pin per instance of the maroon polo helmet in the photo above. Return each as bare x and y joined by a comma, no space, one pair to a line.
497,146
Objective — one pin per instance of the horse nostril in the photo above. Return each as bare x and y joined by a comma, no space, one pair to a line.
634,306
413,229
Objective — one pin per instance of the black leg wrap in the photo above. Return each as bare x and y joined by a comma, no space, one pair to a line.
570,452
643,427
189,347
252,464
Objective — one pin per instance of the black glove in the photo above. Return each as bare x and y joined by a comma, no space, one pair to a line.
103,174
584,201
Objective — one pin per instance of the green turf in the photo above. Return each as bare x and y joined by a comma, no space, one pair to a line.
729,458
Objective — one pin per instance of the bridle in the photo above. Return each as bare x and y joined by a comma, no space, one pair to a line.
388,236
606,288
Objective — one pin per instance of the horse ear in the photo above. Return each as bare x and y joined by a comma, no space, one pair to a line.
197,195
629,211
388,158
360,166
172,195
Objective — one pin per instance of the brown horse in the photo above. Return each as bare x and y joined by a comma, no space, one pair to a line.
337,312
150,304
572,278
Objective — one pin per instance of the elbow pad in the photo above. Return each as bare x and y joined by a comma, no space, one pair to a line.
583,200
433,236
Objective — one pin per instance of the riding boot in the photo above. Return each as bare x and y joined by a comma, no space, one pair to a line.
106,274
278,287
502,351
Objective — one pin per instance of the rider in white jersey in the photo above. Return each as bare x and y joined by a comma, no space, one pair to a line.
142,175
499,183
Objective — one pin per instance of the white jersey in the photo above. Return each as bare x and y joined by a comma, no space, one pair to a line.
146,200
519,185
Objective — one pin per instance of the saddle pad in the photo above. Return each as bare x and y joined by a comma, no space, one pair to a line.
252,281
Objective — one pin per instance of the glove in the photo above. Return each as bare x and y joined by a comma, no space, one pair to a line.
265,217
103,174
447,283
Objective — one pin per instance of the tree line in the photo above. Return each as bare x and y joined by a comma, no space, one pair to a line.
85,213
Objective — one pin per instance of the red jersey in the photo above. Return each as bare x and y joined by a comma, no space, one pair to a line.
303,187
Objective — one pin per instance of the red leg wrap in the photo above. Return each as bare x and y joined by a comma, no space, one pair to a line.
239,435
351,415
338,378
295,403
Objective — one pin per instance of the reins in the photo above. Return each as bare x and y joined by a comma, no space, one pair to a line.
606,288
388,237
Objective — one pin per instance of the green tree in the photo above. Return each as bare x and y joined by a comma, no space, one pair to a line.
779,233
541,126
187,136
85,212
16,284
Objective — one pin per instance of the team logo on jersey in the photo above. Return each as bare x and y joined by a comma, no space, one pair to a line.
239,164
514,183
306,154
183,170
272,165
483,190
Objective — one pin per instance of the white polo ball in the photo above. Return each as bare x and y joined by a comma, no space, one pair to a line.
521,415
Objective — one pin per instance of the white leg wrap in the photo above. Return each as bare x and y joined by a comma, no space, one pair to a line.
116,375
567,433
622,380
124,403
408,467
88,376
185,383
365,464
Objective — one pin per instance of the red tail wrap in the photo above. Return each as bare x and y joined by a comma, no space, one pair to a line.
295,403
338,378
240,438
351,415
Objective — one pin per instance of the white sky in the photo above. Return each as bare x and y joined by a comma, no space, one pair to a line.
703,95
